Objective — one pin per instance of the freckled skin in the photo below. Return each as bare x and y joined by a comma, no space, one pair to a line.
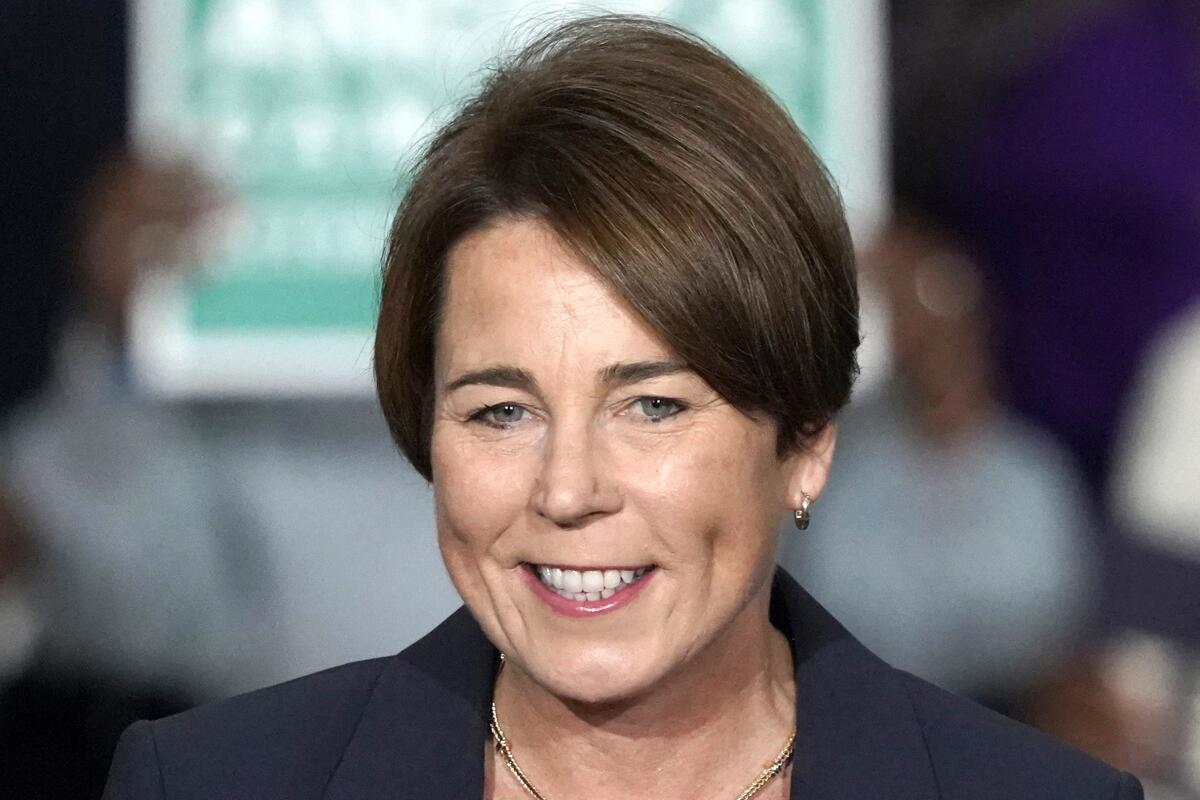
575,471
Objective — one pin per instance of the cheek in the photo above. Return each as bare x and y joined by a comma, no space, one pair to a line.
712,502
478,492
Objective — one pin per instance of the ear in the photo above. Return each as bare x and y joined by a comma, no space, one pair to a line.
807,469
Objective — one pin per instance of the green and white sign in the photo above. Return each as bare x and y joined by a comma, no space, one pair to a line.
308,109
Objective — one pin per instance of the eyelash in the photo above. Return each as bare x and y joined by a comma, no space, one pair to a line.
481,414
679,407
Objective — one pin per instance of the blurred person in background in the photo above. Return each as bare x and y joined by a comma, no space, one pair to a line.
152,568
1059,140
181,541
59,724
59,721
146,570
957,546
1156,486
1155,493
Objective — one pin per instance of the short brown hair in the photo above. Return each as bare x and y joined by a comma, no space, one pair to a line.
677,177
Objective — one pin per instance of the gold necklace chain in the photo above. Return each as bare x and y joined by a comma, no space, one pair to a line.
505,749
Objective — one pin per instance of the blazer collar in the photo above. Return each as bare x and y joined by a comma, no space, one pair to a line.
423,732
857,734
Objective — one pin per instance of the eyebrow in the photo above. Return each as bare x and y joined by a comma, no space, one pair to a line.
618,374
505,376
635,371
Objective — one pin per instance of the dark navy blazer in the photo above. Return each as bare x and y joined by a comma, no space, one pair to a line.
414,725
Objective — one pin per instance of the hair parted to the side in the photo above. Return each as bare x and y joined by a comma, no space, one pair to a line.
674,175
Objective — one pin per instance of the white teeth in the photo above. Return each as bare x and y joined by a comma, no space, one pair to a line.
588,585
572,581
593,580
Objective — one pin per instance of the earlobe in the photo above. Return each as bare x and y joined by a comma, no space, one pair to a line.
809,467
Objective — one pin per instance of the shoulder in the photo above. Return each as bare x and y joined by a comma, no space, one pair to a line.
880,732
976,753
294,739
284,740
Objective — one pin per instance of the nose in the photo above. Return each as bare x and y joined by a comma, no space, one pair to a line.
573,487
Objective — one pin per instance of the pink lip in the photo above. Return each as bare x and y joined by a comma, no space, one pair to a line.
584,608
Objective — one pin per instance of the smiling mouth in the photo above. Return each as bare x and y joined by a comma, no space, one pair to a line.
590,584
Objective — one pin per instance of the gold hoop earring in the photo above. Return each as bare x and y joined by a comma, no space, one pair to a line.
802,515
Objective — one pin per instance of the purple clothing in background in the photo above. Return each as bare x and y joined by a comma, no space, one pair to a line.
1081,185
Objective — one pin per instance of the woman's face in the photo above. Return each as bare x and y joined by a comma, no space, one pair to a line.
604,514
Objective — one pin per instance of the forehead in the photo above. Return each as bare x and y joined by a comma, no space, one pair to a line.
515,292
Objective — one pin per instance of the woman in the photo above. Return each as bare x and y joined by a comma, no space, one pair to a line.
618,317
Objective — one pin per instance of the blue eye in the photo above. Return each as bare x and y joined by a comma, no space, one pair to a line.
658,408
503,415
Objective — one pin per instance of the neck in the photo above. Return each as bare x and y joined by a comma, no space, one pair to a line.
707,730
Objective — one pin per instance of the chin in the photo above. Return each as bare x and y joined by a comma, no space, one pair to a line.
599,678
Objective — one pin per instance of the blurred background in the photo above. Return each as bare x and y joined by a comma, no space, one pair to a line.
198,495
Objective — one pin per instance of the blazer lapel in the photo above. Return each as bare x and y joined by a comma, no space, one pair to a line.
423,731
857,736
